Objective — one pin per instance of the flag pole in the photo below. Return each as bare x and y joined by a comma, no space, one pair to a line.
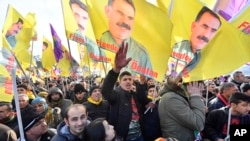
31,58
25,75
19,118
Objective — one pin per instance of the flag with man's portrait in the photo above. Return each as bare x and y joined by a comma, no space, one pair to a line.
149,33
48,56
19,43
79,31
231,54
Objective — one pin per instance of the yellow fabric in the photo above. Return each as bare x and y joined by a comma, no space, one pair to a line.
30,94
231,54
23,38
152,33
150,97
48,57
64,63
94,102
242,22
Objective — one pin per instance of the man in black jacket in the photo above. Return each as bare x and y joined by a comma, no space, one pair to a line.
125,113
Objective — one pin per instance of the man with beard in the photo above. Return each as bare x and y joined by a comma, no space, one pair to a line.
75,121
120,14
56,100
186,54
81,15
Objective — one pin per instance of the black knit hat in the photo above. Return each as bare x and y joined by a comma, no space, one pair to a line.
31,119
245,87
92,89
79,88
151,86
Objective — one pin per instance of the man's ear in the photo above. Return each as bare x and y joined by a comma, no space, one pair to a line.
233,105
193,26
66,121
107,10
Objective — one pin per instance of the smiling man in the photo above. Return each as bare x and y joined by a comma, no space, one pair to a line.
186,54
75,121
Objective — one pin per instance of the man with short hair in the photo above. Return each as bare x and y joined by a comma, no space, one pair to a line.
75,121
13,31
7,116
245,88
120,14
125,114
238,78
187,53
216,125
222,99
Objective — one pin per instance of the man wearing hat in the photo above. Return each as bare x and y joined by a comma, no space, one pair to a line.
35,128
96,106
80,94
55,99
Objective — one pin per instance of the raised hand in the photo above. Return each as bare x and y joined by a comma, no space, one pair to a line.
120,58
195,88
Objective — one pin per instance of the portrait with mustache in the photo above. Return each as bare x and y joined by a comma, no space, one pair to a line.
120,18
81,16
186,54
13,31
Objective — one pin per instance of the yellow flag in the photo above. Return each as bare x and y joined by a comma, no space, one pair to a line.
48,57
226,51
17,31
7,65
145,28
79,29
242,20
64,63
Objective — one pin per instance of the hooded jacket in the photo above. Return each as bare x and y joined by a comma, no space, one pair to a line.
180,115
63,133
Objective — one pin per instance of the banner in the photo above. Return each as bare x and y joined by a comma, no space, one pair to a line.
79,29
64,63
242,19
7,64
48,57
147,33
225,50
17,33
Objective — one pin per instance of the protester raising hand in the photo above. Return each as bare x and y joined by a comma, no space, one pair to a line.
195,88
120,58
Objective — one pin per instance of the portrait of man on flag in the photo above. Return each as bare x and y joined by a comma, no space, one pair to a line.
187,53
13,31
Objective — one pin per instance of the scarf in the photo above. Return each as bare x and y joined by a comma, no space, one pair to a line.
9,118
90,100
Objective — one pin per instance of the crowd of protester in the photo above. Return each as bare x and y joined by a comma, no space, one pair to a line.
120,107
